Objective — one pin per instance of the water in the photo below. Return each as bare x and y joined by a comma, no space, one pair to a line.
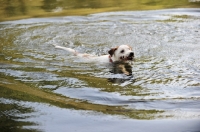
20,9
40,83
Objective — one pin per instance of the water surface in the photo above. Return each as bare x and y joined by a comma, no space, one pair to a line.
19,9
42,86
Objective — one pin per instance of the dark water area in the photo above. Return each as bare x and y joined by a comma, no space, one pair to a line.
47,89
20,9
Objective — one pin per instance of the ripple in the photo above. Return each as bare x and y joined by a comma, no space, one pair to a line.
166,72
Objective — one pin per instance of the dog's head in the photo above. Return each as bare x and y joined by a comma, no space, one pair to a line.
121,53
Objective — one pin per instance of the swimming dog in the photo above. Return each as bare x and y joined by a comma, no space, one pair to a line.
122,53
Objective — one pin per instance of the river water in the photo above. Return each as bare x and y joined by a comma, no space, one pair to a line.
47,89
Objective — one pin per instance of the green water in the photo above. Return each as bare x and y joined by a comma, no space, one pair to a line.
46,89
18,9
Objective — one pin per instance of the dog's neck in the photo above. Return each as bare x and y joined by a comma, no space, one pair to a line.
110,59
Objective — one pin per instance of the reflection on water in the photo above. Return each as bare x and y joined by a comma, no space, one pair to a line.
12,117
17,9
162,83
10,8
122,73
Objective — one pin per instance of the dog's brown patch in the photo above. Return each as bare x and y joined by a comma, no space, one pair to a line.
112,51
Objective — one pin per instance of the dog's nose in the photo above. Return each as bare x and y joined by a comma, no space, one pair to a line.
131,54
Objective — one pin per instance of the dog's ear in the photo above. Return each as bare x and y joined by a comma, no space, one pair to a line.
130,47
112,51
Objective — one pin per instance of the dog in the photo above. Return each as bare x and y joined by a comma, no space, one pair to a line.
122,53
119,55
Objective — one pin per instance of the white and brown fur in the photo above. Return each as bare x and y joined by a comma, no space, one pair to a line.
122,53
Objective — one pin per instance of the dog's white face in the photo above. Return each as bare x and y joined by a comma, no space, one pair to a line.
121,53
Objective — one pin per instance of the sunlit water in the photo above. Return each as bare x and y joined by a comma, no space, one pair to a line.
166,70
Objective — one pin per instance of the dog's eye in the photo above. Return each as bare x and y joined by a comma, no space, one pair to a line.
122,51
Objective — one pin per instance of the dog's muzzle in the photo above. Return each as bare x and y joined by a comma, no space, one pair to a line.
131,56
